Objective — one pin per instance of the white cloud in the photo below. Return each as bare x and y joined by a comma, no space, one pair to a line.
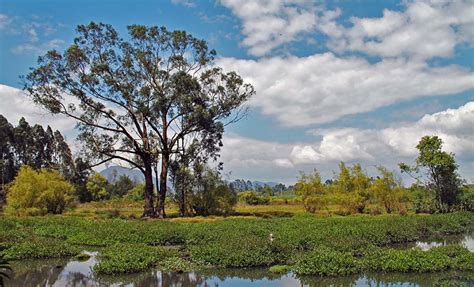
425,29
32,47
16,104
272,23
321,88
5,21
255,159
187,3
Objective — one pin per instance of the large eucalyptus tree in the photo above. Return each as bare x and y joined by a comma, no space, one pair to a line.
134,99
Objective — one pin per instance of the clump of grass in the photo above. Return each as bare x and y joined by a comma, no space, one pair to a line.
130,258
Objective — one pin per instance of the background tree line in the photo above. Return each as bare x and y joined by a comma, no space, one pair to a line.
34,146
437,187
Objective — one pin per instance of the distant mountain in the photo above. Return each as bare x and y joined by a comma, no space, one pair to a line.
112,173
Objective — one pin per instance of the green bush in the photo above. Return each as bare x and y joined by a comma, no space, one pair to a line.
466,198
39,192
313,203
136,193
97,186
253,198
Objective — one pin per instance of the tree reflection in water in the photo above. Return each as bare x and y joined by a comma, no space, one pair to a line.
60,272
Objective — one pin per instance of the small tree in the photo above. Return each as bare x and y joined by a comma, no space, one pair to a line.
121,186
387,190
210,195
438,170
97,186
311,190
43,191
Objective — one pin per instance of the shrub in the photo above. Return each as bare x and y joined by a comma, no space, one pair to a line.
97,186
39,192
466,198
423,200
217,200
313,203
136,193
252,198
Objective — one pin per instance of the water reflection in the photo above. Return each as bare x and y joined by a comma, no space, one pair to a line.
466,241
60,272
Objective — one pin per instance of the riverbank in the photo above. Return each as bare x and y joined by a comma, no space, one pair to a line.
306,244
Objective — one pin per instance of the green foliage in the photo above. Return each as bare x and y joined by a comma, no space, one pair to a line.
97,186
253,198
441,169
326,262
35,146
136,193
131,245
387,191
40,192
190,94
121,186
176,264
40,248
466,198
423,199
130,258
210,194
311,190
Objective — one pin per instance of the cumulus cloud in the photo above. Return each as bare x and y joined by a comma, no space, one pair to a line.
272,23
301,91
369,146
454,126
16,104
425,29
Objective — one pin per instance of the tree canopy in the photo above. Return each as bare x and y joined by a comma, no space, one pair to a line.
135,99
436,170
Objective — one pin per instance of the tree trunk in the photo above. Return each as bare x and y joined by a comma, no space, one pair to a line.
157,183
182,203
160,206
148,210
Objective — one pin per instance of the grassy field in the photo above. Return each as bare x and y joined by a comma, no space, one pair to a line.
259,236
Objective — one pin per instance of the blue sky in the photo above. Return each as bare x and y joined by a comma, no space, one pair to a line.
354,81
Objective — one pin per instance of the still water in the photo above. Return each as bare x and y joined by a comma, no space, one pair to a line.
64,272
